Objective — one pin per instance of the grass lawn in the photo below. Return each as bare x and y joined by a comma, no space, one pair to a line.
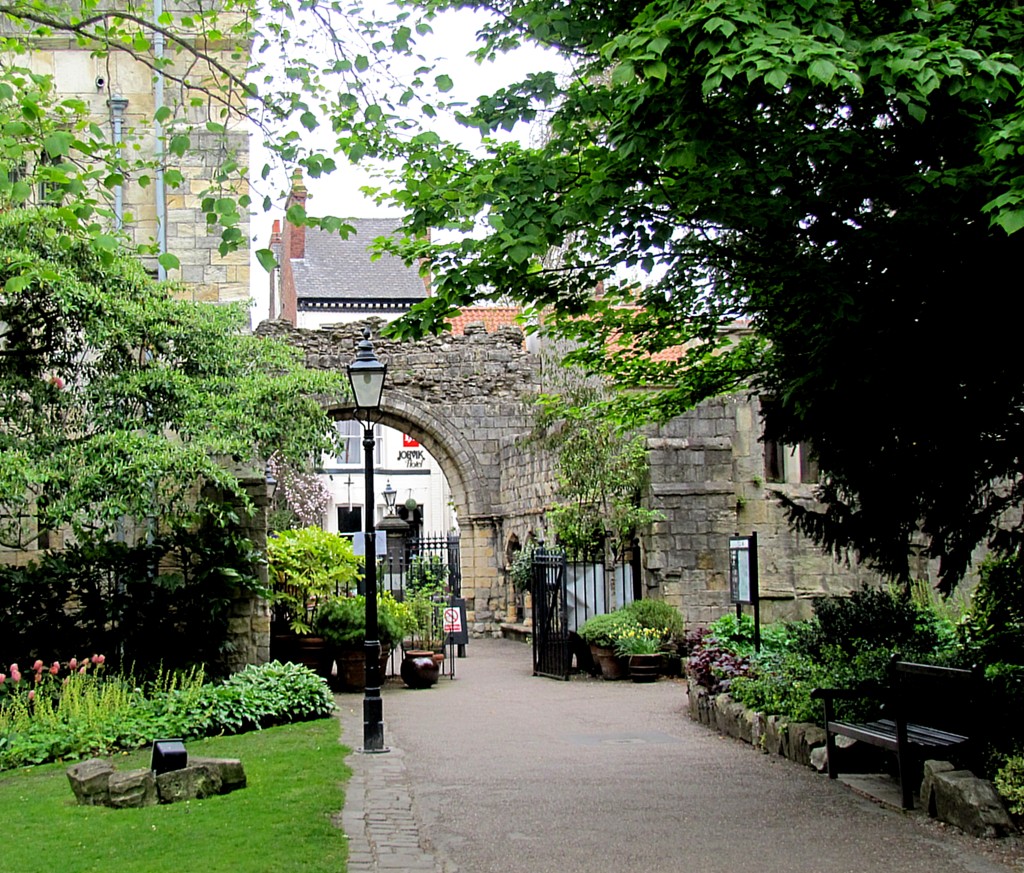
280,823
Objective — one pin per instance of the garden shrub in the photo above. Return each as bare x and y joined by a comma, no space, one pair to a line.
605,629
163,605
1009,782
869,618
96,715
658,616
994,628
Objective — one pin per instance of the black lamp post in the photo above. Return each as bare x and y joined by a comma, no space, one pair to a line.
366,375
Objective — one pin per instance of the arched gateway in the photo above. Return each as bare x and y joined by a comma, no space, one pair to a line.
466,399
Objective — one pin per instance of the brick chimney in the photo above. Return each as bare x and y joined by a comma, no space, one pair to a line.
296,235
274,276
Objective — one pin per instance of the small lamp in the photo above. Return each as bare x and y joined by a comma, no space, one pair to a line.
389,494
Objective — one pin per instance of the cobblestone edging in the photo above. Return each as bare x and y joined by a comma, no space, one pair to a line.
773,734
379,817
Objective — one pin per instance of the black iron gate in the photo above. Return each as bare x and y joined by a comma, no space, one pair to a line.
551,653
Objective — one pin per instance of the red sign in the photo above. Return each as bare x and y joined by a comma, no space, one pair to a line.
408,442
453,620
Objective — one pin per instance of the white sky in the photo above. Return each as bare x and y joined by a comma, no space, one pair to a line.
339,194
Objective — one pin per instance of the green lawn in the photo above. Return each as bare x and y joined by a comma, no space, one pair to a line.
280,823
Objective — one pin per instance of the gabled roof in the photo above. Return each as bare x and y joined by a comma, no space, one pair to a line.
336,271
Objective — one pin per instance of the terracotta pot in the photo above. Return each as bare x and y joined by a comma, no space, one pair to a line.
419,669
351,674
644,668
612,666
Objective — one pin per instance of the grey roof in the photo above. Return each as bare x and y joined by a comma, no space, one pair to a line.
337,271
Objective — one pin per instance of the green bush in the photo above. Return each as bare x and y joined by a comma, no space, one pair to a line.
869,618
658,616
993,631
99,716
780,683
1009,782
606,629
736,634
342,620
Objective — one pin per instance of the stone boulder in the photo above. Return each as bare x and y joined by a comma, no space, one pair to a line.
132,789
960,798
90,781
96,783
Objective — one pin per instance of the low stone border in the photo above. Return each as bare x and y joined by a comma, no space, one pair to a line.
957,797
95,782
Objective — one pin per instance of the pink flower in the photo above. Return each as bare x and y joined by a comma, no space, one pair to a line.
57,382
32,694
54,668
15,676
3,678
38,666
73,664
81,670
99,659
14,668
37,678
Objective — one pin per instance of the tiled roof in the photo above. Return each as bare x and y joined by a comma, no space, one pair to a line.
336,269
492,317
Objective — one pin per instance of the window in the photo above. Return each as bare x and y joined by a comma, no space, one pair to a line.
351,433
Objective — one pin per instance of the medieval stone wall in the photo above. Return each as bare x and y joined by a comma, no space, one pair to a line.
708,477
468,400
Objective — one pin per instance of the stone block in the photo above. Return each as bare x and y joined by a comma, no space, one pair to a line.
230,771
971,804
132,789
193,782
90,781
803,739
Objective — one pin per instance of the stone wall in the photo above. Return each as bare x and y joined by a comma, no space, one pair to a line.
468,400
707,477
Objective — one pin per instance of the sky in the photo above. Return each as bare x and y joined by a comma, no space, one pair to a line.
452,39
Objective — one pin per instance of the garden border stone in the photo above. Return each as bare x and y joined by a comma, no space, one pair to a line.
956,797
95,782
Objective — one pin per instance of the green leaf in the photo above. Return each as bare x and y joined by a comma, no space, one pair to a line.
443,83
266,259
169,261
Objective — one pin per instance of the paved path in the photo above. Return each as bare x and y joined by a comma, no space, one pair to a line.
502,772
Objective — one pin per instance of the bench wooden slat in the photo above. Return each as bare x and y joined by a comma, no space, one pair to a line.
913,685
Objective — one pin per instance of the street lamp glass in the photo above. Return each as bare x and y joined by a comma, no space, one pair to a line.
389,494
366,375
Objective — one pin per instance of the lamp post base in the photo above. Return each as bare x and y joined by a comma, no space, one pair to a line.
373,723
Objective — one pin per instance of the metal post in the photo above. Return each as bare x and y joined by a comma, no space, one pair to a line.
373,706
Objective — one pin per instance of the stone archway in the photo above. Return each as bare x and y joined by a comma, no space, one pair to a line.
467,399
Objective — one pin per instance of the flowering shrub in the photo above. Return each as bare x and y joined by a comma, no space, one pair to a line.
641,641
43,681
604,630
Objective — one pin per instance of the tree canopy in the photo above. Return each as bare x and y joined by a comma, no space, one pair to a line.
843,177
119,402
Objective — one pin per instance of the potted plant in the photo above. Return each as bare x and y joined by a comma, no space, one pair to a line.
426,637
306,568
341,621
643,648
602,633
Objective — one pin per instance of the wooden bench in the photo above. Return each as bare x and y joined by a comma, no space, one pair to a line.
930,713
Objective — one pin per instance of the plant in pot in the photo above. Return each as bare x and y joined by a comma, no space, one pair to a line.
306,567
341,621
422,657
602,634
643,648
